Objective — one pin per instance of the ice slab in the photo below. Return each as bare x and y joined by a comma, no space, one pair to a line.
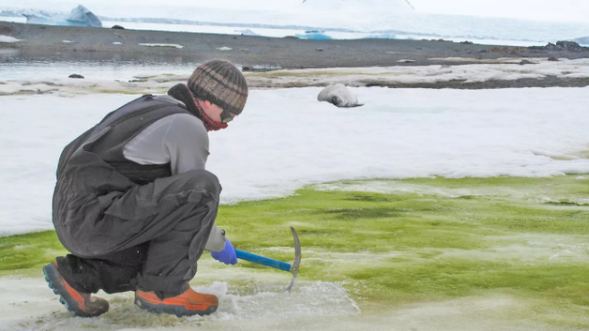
27,304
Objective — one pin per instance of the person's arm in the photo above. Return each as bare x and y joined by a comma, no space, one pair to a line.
181,140
186,144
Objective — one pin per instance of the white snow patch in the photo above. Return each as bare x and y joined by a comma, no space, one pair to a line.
533,194
161,45
399,133
8,39
507,69
393,186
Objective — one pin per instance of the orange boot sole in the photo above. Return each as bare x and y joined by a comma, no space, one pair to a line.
69,297
176,306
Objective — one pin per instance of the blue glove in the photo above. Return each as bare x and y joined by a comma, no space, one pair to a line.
227,255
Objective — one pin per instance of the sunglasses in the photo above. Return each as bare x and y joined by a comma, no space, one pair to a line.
226,116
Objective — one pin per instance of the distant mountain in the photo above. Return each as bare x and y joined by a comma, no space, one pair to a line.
27,12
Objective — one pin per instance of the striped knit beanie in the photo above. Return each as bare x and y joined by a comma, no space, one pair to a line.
220,83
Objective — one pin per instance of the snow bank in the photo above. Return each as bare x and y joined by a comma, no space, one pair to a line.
8,39
286,139
162,45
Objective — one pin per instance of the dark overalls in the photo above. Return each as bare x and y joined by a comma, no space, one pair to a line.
130,226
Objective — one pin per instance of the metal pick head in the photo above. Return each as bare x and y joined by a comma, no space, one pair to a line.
294,269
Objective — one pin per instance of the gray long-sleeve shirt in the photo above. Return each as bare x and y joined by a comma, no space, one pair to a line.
180,140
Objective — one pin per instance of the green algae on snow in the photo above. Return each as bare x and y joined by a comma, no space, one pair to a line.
418,240
27,253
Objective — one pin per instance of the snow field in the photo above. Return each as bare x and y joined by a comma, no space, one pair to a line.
285,139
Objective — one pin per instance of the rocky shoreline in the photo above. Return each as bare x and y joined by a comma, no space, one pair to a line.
254,53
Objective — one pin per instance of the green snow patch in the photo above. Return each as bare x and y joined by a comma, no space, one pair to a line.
27,254
394,244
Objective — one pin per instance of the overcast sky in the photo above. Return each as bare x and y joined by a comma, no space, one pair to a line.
560,10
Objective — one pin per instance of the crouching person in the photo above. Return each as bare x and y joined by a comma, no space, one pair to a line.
134,205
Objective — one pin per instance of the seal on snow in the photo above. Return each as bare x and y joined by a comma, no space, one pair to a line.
338,95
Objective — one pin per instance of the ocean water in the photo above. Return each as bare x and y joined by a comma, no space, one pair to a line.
16,65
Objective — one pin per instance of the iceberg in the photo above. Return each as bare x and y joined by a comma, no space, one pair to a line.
583,41
314,35
381,36
79,16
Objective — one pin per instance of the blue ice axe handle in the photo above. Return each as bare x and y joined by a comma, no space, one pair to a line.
292,268
262,260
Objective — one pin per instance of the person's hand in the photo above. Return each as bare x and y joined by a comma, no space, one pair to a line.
227,255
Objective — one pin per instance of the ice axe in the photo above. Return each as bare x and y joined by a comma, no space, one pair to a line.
292,268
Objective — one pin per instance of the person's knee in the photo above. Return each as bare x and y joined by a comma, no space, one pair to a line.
206,179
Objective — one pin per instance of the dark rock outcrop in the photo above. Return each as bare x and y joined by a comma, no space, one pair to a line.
563,45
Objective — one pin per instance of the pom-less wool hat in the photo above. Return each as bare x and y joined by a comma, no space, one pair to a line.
220,83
